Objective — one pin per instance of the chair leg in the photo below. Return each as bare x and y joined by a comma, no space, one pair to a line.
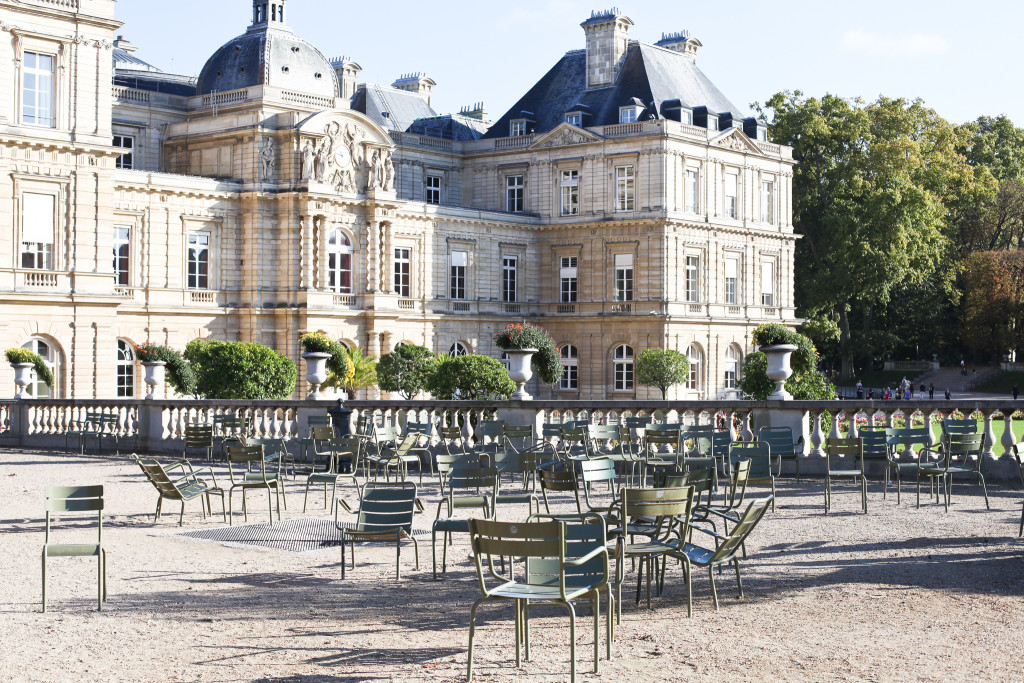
181,517
99,578
597,632
44,579
472,632
739,581
343,556
714,592
984,490
572,641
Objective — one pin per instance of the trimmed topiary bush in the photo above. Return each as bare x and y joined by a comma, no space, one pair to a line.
240,371
662,368
546,362
406,370
20,355
178,373
470,378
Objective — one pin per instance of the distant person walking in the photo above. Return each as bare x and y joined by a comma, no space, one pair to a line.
1015,392
931,392
948,395
923,389
963,367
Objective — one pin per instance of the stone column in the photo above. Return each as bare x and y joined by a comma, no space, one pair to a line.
307,253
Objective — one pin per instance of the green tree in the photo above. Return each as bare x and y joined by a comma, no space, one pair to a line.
993,320
240,371
470,378
364,372
662,368
406,369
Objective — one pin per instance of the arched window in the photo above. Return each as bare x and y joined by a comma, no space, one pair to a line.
696,356
339,263
623,368
38,388
125,370
733,356
458,349
570,368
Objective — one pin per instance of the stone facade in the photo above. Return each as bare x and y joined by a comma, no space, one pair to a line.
257,213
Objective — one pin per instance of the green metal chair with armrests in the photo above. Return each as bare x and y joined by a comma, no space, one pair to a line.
909,450
760,456
252,475
385,515
962,454
469,488
560,481
844,458
198,437
69,499
343,451
783,447
422,448
181,482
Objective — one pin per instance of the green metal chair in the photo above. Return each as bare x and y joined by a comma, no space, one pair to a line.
381,441
469,488
346,449
726,549
698,444
248,478
524,464
489,437
385,515
198,437
228,429
728,511
655,439
593,473
562,568
962,454
836,468
187,484
560,481
574,444
400,457
307,442
876,448
909,450
760,456
422,448
68,499
80,429
274,450
780,439
630,454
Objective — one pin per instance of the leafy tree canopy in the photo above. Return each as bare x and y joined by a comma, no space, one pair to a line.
661,368
406,369
470,378
240,371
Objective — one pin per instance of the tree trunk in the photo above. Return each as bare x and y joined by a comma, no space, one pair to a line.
845,352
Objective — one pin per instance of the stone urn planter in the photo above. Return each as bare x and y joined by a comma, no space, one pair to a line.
521,371
779,369
22,378
316,373
155,373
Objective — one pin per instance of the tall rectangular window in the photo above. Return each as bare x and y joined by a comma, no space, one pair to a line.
37,230
199,260
37,90
731,182
126,160
403,272
692,278
767,202
767,283
569,282
514,193
570,187
517,127
433,189
509,278
623,277
339,262
731,281
122,255
625,188
690,199
457,284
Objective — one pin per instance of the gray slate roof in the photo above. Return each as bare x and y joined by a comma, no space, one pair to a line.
392,108
450,127
156,81
648,73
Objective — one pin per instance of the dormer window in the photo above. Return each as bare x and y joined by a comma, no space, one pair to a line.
517,128
628,114
762,134
574,118
686,116
712,122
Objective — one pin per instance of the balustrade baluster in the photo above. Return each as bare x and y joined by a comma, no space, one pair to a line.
817,437
990,437
748,433
1008,437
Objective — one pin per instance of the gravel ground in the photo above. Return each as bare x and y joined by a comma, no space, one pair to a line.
898,594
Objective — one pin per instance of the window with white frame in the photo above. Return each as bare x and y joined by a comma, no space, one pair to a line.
692,279
622,362
732,366
125,369
37,91
403,271
433,183
517,127
696,357
731,186
690,191
569,282
767,202
732,268
126,160
457,275
628,114
38,214
339,262
767,283
712,122
198,260
623,277
458,349
510,278
574,118
122,255
625,188
37,387
514,187
570,368
686,116
570,186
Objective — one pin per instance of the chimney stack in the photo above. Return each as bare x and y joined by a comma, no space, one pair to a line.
682,43
416,82
347,72
476,111
607,39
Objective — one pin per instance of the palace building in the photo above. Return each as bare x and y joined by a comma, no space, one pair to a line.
622,203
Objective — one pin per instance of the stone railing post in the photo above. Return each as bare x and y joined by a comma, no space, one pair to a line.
990,437
817,437
1008,438
150,438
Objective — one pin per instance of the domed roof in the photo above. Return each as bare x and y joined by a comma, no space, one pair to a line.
269,54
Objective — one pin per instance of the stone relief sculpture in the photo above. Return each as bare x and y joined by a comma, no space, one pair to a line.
268,157
308,161
389,173
568,137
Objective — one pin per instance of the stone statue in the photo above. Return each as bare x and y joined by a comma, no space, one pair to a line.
323,157
375,172
308,160
268,157
389,173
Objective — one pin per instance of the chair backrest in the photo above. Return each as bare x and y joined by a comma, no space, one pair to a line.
421,428
660,437
472,478
519,437
490,429
574,441
780,439
875,439
598,470
387,506
965,426
198,436
63,499
230,425
759,455
720,440
491,539
663,427
409,441
738,485
581,539
966,450
637,422
557,480
317,421
667,506
272,446
699,439
849,447
382,435
156,475
734,541
450,436
602,436
702,481
511,462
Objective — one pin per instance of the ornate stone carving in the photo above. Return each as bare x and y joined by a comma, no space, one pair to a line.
568,137
389,172
734,143
308,161
268,158
338,156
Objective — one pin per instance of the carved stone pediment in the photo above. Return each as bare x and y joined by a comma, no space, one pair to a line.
347,151
734,139
565,135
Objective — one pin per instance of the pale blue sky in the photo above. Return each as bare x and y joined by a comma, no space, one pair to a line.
961,59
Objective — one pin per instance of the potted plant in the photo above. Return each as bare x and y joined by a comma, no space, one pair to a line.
323,354
162,363
777,342
24,362
529,348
